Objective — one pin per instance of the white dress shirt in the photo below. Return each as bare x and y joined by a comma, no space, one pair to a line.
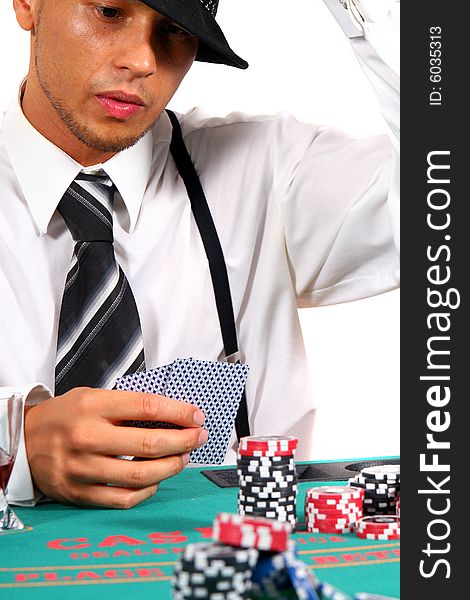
304,215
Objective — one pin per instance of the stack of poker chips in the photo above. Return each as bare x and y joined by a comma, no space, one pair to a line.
381,485
278,573
268,478
249,532
251,547
270,578
380,527
398,506
214,571
333,509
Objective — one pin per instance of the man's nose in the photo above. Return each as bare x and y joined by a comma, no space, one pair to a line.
137,55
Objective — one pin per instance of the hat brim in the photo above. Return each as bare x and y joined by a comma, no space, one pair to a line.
195,18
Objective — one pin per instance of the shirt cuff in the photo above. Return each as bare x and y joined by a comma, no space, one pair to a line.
21,490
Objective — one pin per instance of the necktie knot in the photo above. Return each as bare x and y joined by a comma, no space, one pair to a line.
87,207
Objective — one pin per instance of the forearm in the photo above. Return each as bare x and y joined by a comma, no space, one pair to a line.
373,31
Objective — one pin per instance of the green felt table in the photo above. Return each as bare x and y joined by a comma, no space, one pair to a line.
68,552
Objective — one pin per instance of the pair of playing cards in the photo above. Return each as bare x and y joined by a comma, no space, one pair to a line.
215,387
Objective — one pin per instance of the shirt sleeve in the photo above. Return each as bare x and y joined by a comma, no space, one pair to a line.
373,29
333,194
340,200
21,490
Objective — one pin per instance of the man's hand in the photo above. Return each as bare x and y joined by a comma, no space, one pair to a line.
72,442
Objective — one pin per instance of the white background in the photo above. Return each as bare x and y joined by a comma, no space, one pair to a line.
300,61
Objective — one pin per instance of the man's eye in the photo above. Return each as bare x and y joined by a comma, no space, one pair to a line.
175,29
108,12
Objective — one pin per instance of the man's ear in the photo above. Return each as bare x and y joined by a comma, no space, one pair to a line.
26,13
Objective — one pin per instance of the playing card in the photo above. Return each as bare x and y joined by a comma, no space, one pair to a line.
215,387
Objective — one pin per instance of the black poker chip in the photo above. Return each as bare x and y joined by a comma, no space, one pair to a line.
267,501
380,496
268,484
266,493
381,472
374,486
262,474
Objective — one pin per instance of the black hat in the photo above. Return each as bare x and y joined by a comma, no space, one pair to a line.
198,17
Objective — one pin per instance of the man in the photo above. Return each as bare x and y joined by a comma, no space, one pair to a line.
301,214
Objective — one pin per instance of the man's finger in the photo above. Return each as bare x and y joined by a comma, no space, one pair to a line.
130,474
120,405
149,443
107,496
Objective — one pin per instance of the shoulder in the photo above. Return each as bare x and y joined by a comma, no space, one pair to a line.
196,123
244,135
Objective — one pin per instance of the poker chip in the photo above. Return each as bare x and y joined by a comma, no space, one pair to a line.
249,532
287,481
325,520
303,581
329,530
329,592
208,570
311,509
382,472
332,509
268,493
381,488
332,492
269,514
268,461
254,558
380,527
266,503
270,578
268,443
267,478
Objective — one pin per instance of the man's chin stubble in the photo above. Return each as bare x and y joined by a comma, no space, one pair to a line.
86,135
91,140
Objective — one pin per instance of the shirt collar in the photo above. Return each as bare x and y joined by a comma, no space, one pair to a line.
44,171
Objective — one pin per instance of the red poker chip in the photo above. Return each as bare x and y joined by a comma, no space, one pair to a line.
333,514
265,453
269,442
328,520
378,536
372,534
378,523
338,530
251,532
335,501
357,499
334,492
329,524
366,527
327,508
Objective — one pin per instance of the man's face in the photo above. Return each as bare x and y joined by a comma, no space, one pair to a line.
102,72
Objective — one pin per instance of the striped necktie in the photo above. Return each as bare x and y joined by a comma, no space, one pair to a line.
100,337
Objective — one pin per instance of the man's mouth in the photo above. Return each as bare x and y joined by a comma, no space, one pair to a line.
119,104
